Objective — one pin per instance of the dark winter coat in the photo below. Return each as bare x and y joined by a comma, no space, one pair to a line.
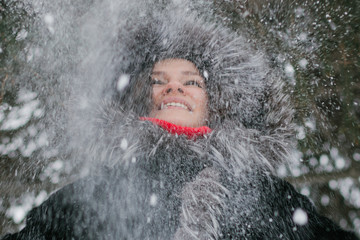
154,185
102,208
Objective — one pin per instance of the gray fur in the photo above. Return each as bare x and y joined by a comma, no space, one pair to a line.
250,115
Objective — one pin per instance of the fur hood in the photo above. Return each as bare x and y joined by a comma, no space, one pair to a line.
246,99
249,113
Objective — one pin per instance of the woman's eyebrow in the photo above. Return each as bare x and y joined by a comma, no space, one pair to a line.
190,73
158,73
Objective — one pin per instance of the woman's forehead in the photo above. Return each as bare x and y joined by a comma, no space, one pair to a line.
178,65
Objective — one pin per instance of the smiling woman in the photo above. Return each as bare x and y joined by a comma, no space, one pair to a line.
178,93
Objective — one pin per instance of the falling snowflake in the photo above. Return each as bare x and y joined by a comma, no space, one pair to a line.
300,217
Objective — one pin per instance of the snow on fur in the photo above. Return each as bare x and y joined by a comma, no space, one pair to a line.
249,113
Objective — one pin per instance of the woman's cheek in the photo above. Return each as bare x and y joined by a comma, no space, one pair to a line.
155,94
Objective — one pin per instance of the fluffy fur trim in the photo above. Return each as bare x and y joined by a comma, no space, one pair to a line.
249,113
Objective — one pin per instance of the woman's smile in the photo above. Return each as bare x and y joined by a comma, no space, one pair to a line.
175,103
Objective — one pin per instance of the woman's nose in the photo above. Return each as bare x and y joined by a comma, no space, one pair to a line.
169,90
173,88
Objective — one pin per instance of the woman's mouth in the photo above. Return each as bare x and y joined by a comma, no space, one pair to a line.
175,103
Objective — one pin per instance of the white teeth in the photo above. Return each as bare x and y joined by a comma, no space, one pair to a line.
174,104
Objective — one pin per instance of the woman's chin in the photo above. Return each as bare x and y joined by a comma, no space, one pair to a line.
181,119
180,122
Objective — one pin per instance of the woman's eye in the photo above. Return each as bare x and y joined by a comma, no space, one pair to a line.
156,81
193,83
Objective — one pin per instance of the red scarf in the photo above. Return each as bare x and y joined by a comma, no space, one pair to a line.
190,132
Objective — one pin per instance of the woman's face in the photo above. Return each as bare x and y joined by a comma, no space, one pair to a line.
178,93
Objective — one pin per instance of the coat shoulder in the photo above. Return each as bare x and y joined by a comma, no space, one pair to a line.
66,214
271,208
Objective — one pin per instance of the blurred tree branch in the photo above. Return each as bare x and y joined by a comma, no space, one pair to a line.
325,177
3,82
